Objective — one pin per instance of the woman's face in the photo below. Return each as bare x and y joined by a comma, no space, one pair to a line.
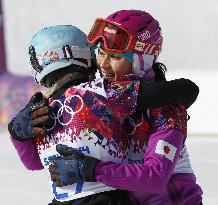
112,65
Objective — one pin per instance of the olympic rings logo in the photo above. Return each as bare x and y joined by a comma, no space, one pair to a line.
65,108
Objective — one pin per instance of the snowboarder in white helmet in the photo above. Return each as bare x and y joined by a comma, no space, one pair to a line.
84,119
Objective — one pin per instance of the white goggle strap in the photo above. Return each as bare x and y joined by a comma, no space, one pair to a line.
67,52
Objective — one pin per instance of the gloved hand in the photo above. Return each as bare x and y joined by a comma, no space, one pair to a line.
30,120
70,166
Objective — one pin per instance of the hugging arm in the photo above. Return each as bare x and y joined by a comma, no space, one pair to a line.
28,153
151,176
25,125
158,93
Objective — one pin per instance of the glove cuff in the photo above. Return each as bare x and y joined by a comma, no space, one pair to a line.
88,171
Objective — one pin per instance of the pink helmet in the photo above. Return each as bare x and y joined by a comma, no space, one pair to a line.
140,23
147,30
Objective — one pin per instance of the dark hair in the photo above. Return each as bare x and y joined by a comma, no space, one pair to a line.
159,70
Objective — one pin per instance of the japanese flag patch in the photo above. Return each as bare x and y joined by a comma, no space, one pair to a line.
166,149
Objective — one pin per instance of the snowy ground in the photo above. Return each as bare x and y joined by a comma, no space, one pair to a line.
19,186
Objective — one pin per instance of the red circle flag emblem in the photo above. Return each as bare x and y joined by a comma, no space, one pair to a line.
166,149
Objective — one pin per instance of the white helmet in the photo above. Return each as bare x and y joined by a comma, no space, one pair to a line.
57,47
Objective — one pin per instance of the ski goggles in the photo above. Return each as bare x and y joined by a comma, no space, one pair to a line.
117,39
73,53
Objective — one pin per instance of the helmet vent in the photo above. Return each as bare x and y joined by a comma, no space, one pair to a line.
149,22
142,28
136,15
114,16
126,19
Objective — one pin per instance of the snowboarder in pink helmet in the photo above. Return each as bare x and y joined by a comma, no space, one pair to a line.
134,33
136,36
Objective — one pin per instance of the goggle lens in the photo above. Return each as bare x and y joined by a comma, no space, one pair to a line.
114,38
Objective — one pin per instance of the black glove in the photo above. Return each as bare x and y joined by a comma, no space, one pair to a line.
71,166
30,120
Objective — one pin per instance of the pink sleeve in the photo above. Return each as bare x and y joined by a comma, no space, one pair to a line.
154,173
28,154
